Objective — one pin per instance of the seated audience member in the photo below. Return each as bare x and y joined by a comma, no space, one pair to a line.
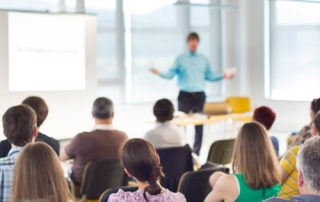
19,126
266,117
256,176
314,108
308,181
165,134
142,162
41,109
287,168
303,135
38,175
102,143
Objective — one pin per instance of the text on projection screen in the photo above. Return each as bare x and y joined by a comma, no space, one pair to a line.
46,52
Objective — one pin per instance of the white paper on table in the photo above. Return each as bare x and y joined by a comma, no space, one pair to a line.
230,71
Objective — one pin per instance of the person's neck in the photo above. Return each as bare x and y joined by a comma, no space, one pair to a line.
305,191
103,121
143,185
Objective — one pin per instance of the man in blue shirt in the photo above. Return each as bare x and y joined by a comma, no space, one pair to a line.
193,70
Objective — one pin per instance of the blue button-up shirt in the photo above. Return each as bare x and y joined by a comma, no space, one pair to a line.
193,70
6,173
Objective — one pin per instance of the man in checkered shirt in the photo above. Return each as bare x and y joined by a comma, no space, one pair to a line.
19,126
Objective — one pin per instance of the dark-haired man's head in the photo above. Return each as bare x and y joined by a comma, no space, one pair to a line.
163,110
315,130
39,106
193,41
19,125
103,110
265,116
314,108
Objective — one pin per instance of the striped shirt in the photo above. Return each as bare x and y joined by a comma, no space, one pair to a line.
288,163
6,173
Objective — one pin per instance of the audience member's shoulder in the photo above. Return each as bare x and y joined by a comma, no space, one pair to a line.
293,150
149,133
274,199
175,197
123,134
122,196
5,142
46,137
296,148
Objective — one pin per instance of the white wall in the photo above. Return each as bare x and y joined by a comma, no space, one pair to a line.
69,111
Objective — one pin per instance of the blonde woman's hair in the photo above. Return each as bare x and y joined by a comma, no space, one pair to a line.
255,157
38,175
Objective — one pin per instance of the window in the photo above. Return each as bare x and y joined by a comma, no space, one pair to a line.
157,41
110,75
37,5
294,50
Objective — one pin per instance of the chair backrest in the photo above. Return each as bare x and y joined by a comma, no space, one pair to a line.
239,104
105,195
175,162
221,151
100,176
195,185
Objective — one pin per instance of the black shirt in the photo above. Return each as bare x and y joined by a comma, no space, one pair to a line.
5,145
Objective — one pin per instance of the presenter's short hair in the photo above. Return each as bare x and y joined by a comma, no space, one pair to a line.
39,106
102,108
18,124
163,110
193,36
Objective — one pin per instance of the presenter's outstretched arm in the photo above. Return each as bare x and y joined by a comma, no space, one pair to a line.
171,73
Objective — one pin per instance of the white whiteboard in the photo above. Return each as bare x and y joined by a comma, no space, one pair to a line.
52,56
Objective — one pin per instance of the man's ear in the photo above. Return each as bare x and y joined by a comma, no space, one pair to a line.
300,179
35,132
158,159
4,134
126,171
112,115
92,115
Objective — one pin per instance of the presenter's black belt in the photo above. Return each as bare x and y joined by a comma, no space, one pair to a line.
191,93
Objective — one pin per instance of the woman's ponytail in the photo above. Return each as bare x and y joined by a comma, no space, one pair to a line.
141,160
154,187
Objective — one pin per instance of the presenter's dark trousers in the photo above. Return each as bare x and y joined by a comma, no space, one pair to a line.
193,102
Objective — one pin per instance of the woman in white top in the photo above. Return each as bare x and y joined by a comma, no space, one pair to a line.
165,134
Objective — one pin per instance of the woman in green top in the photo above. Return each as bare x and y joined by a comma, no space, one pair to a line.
255,165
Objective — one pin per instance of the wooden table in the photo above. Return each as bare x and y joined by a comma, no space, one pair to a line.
197,119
